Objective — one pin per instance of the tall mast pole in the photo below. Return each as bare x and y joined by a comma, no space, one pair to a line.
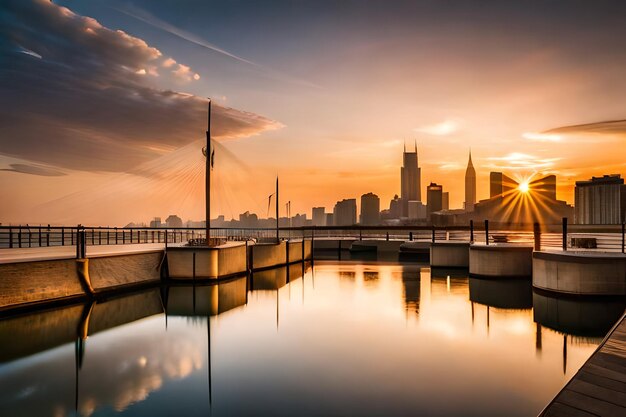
208,177
277,236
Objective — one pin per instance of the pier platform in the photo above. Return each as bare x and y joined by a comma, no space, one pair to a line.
599,387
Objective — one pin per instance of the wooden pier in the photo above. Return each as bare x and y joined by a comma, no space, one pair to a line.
599,387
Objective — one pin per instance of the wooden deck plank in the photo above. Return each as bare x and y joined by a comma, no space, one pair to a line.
599,387
590,404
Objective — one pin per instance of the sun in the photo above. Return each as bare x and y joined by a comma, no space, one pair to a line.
523,187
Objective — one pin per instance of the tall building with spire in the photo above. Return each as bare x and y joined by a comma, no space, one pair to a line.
410,179
470,185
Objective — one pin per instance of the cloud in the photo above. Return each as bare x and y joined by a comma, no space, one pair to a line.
609,127
89,102
444,128
34,170
541,137
517,161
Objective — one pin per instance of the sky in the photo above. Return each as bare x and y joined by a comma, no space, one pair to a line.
104,102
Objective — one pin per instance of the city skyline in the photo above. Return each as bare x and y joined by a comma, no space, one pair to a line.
324,116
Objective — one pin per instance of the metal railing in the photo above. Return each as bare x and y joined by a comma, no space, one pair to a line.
607,238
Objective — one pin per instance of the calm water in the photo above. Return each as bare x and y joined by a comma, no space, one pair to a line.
344,339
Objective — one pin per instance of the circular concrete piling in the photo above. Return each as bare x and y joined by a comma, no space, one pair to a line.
580,273
502,260
449,254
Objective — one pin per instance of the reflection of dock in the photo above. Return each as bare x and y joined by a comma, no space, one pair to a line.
507,294
599,387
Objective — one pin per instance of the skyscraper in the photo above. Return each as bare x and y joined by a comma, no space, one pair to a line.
344,213
434,198
410,179
370,209
470,185
319,216
600,200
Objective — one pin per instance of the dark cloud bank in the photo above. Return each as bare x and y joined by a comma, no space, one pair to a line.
77,95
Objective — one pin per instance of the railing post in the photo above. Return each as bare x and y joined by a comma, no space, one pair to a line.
19,236
62,236
487,232
387,236
99,235
11,238
564,234
360,234
471,231
537,236
39,240
433,238
48,236
411,236
93,236
108,236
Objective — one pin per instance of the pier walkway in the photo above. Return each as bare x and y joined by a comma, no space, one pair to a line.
69,252
599,387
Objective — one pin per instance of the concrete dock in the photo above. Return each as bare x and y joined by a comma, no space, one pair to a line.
599,387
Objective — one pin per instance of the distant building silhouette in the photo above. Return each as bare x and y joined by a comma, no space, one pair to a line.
410,180
156,222
395,207
434,198
600,200
344,213
370,209
470,185
417,210
248,219
445,200
319,216
173,221
330,219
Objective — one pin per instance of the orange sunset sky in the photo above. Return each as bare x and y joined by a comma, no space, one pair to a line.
104,103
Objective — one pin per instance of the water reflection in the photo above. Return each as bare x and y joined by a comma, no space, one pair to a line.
345,338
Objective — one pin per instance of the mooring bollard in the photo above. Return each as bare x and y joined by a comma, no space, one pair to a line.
486,232
471,231
537,236
564,234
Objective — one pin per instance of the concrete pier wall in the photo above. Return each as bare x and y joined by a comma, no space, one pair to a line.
580,273
191,262
28,283
112,272
501,260
268,255
449,254
35,282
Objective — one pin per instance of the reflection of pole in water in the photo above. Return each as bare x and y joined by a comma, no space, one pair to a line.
208,333
538,339
79,346
564,354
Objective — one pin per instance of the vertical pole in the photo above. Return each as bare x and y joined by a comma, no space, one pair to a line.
48,236
471,231
19,236
11,239
537,236
360,234
387,237
62,236
487,232
39,242
277,231
207,180
433,234
564,234
411,236
623,235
